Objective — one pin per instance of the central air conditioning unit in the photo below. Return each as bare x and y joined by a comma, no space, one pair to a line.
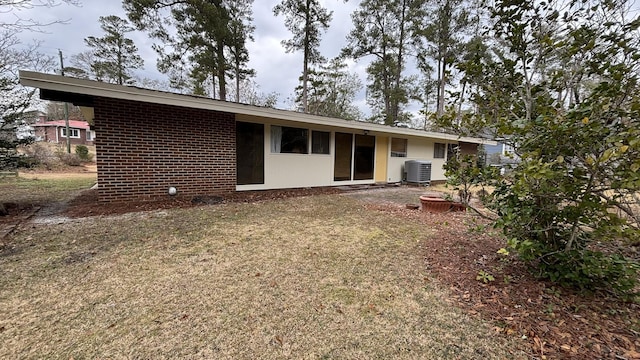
418,172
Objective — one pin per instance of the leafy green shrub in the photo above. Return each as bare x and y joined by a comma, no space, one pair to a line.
589,270
83,153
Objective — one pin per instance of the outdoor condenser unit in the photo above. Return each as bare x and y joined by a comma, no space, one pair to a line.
418,171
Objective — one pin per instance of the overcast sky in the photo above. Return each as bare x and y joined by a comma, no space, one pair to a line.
276,70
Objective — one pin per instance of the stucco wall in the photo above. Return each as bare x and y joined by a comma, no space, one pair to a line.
417,149
296,170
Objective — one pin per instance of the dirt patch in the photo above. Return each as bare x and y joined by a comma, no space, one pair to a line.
15,214
86,204
70,172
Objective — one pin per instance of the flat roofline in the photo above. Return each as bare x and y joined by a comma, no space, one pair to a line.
96,88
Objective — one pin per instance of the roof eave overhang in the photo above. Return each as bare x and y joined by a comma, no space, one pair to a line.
67,85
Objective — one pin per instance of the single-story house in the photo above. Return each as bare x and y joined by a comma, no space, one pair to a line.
151,141
55,131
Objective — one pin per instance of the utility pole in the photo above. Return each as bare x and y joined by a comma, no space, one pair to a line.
66,108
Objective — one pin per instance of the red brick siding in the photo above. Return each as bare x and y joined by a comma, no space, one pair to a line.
143,149
48,134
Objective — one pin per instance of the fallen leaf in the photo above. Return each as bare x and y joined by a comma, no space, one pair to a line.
632,354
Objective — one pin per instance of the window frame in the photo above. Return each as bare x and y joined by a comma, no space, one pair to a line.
277,148
328,142
399,154
63,133
439,150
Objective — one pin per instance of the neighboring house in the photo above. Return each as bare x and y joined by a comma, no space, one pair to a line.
150,141
501,155
56,131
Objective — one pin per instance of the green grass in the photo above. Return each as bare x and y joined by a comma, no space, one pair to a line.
306,278
22,190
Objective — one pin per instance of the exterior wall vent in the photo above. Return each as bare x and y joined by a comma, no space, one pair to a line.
418,171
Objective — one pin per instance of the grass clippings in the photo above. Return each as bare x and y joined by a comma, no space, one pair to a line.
315,277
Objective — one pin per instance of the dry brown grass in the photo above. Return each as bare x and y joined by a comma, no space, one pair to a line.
305,278
43,188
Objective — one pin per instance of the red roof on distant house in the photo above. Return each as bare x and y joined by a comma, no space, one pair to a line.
76,124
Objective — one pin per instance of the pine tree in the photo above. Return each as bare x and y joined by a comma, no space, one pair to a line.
332,90
207,46
382,29
440,37
305,19
115,54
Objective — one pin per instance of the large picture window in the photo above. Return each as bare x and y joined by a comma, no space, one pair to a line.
439,150
320,142
289,140
398,147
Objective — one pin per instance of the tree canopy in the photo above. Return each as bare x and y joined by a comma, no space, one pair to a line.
562,88
199,41
114,55
305,19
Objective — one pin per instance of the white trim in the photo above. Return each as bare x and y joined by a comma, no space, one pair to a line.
63,131
95,88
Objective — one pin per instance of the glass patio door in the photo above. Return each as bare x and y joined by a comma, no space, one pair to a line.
354,157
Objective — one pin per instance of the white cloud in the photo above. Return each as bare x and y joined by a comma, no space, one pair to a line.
277,71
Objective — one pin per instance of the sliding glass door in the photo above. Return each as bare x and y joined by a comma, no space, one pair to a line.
354,157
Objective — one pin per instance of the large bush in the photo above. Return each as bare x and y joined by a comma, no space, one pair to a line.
565,93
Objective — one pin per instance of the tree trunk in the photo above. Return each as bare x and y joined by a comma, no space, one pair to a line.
237,82
398,75
305,65
221,71
443,80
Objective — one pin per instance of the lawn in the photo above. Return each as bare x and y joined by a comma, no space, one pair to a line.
317,277
43,188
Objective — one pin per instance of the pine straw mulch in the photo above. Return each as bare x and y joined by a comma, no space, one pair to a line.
554,322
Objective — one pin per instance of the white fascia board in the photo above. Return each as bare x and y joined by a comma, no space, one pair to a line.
95,88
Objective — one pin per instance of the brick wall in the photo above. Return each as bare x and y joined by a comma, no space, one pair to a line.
143,149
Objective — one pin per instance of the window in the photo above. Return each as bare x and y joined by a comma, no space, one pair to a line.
439,150
249,153
75,133
289,140
398,147
90,135
320,142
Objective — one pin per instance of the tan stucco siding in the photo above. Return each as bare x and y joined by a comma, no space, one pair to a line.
417,149
382,155
282,171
